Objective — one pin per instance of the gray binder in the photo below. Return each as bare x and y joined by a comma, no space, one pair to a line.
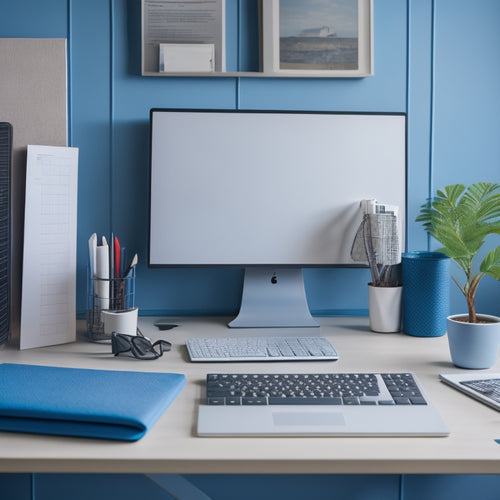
5,229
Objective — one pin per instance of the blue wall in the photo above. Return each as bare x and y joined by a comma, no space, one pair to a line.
437,60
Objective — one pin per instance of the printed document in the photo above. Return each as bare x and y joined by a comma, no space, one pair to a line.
182,21
48,304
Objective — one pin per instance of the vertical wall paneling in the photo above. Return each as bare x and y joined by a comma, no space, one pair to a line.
467,107
242,35
432,96
90,105
466,113
69,40
419,92
112,167
239,51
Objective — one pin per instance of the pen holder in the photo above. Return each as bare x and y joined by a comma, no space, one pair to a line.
113,294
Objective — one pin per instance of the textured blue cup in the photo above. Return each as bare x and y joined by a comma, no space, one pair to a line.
426,293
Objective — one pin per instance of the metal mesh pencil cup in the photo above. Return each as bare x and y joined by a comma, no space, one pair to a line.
114,294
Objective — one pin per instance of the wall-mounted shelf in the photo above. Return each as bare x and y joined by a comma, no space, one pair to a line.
248,42
245,74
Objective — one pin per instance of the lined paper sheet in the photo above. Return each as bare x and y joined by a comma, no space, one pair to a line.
48,304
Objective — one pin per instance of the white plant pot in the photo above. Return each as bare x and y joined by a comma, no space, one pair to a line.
474,345
384,305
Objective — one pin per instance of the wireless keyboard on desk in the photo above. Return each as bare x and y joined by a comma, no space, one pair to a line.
317,404
260,349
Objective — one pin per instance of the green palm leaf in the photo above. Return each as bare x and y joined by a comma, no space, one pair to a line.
460,219
491,264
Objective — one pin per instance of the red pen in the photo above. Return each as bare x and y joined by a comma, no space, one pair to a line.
117,257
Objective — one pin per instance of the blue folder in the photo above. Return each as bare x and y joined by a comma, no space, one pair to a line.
104,404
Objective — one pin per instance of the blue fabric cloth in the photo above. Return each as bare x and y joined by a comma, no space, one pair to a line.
104,404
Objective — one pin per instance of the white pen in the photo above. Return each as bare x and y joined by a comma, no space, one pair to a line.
102,274
133,263
92,256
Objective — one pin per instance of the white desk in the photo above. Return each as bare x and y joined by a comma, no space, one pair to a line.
171,446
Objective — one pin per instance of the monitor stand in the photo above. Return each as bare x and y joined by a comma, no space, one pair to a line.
273,299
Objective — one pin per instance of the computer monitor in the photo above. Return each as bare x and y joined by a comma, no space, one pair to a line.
272,192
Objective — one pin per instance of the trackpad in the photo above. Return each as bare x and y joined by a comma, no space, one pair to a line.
308,418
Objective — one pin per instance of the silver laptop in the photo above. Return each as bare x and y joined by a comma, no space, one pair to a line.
484,387
389,412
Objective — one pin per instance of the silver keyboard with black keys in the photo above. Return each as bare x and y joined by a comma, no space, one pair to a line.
489,388
313,389
260,349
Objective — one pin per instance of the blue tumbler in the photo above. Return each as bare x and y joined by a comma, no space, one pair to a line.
426,293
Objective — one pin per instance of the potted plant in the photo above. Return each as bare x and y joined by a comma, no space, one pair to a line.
460,219
377,243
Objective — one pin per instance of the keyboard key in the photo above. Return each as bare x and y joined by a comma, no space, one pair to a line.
253,401
220,401
402,401
350,401
418,401
304,401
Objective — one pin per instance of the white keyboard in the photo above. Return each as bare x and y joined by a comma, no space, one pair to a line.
260,349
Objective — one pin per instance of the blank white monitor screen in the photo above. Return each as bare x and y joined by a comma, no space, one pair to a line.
267,188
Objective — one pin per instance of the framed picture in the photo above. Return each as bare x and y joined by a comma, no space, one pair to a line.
325,38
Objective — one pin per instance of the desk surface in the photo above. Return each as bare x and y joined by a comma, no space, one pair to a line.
172,446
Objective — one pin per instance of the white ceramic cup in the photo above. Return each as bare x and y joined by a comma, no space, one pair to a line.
120,321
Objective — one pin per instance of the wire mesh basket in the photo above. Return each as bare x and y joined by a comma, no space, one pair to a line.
113,294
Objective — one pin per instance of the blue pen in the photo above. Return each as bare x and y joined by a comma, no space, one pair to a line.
123,260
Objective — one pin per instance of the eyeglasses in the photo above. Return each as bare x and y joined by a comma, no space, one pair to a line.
138,345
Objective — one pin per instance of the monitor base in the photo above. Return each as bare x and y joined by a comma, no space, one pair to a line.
273,299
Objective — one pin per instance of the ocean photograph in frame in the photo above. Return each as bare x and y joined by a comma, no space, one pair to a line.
318,38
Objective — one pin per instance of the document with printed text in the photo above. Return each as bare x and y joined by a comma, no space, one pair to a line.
48,303
182,22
